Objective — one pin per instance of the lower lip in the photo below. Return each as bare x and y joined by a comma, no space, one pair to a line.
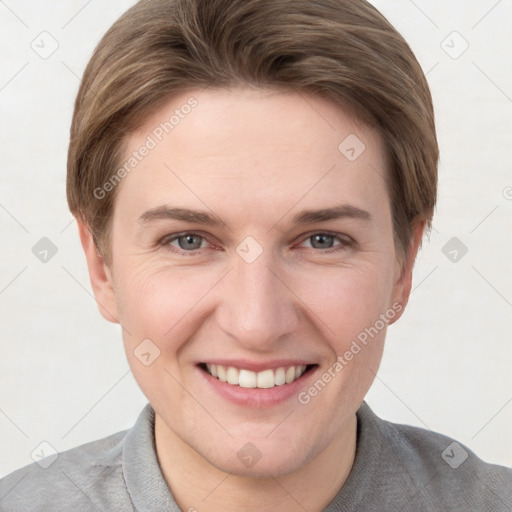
258,397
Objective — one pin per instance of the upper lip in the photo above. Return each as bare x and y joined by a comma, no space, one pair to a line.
257,366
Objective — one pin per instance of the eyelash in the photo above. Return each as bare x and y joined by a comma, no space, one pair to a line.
345,242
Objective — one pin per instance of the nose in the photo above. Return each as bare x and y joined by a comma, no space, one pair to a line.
258,308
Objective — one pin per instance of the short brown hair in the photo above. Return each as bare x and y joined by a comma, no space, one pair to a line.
344,50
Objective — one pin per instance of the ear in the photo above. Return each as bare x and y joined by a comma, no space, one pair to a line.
403,283
100,275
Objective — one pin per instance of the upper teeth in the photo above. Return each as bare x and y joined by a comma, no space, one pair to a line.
248,379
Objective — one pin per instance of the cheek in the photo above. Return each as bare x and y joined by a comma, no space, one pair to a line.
155,303
345,300
156,309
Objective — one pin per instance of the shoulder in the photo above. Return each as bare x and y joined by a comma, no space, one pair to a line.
82,478
444,472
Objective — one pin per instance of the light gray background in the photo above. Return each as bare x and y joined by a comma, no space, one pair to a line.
64,378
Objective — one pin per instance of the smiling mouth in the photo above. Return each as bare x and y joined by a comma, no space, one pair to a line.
263,380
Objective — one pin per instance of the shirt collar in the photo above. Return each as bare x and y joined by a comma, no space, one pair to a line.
144,480
361,479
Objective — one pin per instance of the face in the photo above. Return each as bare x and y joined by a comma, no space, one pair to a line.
253,242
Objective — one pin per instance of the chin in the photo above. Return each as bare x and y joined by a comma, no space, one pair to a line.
268,466
259,459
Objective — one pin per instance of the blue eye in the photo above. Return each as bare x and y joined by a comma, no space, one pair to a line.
325,241
322,241
190,243
186,242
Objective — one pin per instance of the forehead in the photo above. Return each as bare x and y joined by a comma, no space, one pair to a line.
242,146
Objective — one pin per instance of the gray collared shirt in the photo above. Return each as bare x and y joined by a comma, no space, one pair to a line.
397,468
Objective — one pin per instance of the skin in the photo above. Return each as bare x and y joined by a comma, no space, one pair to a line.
254,158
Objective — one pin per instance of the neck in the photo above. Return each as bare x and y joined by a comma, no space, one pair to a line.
197,485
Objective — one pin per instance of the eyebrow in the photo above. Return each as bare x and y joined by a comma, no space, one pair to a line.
336,212
210,219
184,214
